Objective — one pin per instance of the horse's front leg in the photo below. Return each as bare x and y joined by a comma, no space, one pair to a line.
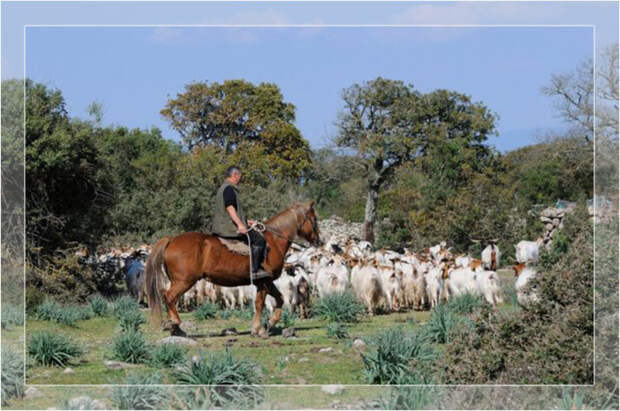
259,304
277,312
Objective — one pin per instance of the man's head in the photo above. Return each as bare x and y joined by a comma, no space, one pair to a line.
233,175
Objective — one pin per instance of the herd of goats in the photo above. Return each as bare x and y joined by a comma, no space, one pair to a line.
382,278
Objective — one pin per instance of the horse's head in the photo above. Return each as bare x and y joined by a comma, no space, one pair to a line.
308,227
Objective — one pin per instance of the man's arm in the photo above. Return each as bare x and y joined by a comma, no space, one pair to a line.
241,228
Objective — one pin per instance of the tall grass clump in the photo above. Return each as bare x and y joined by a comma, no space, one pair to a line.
442,324
140,396
167,355
67,315
124,304
337,330
465,303
131,321
342,307
396,354
223,369
130,347
408,398
47,348
12,315
12,375
98,305
205,311
287,319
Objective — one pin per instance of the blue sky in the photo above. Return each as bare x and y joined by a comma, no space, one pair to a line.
132,70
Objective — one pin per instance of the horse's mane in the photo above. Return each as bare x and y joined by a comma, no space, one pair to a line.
286,218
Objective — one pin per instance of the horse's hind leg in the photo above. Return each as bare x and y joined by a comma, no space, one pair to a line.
277,312
172,296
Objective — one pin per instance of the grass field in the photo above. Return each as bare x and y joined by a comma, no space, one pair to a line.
295,361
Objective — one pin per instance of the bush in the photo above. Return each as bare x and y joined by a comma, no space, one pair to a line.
465,303
441,324
67,315
98,305
123,305
140,396
130,347
337,330
12,375
131,321
396,354
12,315
223,369
47,348
167,355
205,311
549,342
339,308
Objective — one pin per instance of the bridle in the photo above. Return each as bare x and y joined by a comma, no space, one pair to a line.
261,228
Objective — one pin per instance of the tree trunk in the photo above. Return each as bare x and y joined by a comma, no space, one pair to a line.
370,214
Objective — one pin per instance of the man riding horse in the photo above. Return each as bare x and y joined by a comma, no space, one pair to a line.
229,221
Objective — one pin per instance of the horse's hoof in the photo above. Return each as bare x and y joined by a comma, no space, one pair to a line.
176,331
263,334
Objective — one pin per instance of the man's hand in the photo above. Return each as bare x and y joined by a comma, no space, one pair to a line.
241,229
251,222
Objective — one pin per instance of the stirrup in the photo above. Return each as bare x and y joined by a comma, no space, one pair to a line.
260,274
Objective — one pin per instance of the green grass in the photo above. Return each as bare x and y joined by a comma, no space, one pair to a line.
49,348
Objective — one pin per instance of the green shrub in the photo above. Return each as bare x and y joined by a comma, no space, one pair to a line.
167,355
287,319
465,303
139,396
67,315
123,305
337,330
222,369
205,311
343,308
48,348
98,305
395,354
549,342
130,347
12,315
408,398
12,375
441,324
131,321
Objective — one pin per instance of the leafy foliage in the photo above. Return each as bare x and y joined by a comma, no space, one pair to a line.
205,311
131,321
124,305
287,319
442,323
465,303
98,305
67,315
12,375
131,347
339,308
167,355
408,398
223,369
12,315
337,330
396,355
140,395
47,348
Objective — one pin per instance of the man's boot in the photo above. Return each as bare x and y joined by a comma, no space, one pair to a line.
257,258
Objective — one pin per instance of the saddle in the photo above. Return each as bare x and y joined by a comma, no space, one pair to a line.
236,246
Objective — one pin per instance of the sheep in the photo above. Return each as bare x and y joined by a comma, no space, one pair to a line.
367,285
524,274
527,251
333,277
490,257
390,279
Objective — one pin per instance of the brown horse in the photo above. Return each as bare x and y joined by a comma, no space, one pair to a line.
187,258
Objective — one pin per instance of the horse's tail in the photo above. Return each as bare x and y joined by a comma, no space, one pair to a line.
153,270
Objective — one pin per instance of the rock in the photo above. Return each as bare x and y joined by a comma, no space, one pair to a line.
177,340
68,371
196,359
545,219
304,359
229,331
324,350
117,365
359,343
32,392
548,226
288,332
556,222
332,389
548,212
